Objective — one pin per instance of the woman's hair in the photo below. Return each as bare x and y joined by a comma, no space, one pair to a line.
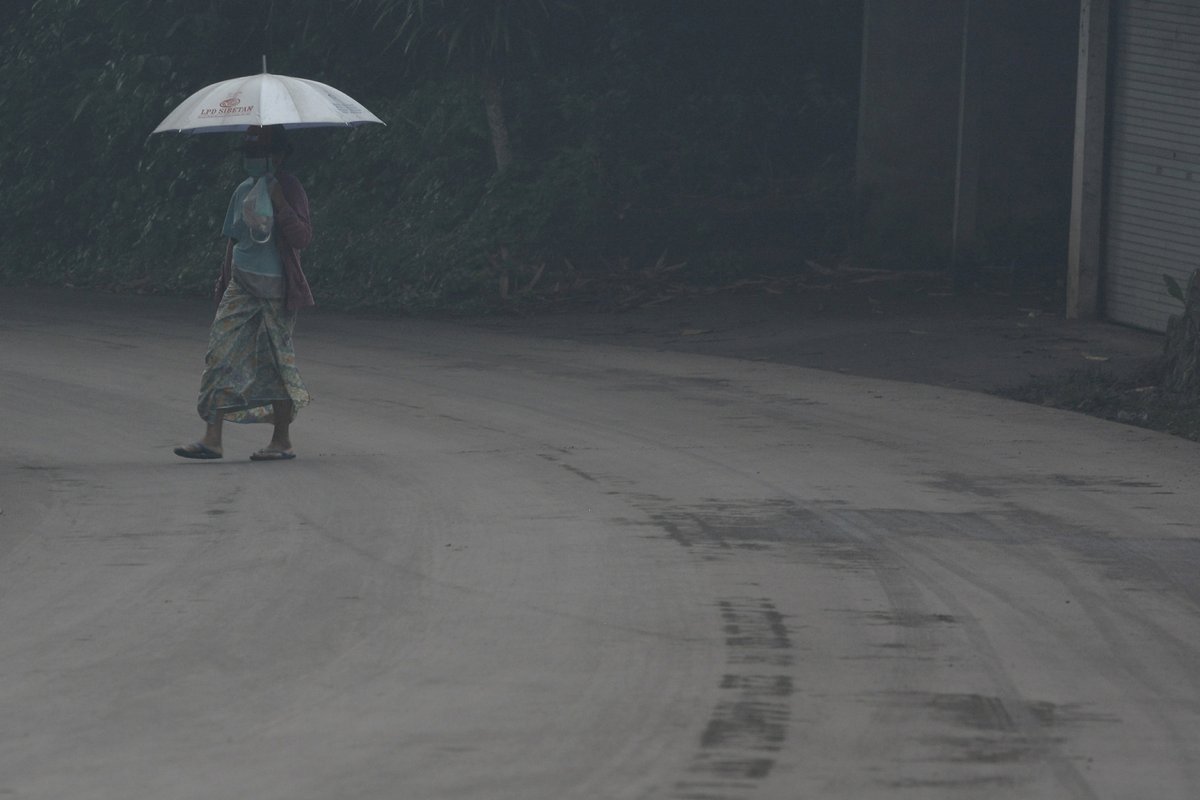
278,138
267,140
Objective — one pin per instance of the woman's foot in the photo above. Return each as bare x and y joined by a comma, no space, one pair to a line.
273,453
198,450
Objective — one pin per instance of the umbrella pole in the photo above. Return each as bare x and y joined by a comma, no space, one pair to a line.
264,63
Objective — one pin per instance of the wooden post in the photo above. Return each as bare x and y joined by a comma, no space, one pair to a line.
862,152
966,167
1087,180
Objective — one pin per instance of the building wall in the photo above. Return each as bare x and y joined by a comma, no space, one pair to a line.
1152,181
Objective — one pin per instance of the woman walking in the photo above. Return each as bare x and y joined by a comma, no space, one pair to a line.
250,370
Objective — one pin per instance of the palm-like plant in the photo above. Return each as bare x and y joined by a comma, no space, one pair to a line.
486,38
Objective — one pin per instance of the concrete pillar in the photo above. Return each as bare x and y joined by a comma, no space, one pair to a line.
1087,181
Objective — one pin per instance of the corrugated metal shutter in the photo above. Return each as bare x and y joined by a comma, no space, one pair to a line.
1153,218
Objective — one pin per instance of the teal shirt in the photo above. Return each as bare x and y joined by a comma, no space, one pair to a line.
248,255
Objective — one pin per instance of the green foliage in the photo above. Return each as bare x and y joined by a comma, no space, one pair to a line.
475,36
1174,289
1135,398
414,219
631,140
80,74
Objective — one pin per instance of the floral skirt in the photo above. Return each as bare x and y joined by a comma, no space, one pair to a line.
250,362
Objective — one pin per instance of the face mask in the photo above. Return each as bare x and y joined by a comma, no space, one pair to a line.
256,167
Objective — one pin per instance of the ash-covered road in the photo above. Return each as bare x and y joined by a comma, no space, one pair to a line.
508,567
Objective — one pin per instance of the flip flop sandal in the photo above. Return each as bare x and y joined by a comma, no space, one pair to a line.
197,450
272,455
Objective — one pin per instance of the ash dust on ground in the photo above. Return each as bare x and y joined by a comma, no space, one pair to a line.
908,327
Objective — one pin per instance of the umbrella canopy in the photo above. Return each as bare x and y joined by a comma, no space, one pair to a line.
265,99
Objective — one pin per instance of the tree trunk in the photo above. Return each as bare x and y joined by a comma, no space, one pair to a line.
493,104
1181,351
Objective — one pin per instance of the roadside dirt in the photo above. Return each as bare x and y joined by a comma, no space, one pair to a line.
901,330
904,330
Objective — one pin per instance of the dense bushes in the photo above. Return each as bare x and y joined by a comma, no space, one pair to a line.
720,136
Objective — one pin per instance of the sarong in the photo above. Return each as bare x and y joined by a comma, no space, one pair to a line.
250,362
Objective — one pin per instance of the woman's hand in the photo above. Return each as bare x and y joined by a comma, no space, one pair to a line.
276,192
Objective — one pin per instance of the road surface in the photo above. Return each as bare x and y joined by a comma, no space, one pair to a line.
510,567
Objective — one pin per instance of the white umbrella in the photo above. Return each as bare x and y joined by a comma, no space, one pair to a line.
265,99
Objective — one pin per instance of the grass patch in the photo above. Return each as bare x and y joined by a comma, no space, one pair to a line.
1135,398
